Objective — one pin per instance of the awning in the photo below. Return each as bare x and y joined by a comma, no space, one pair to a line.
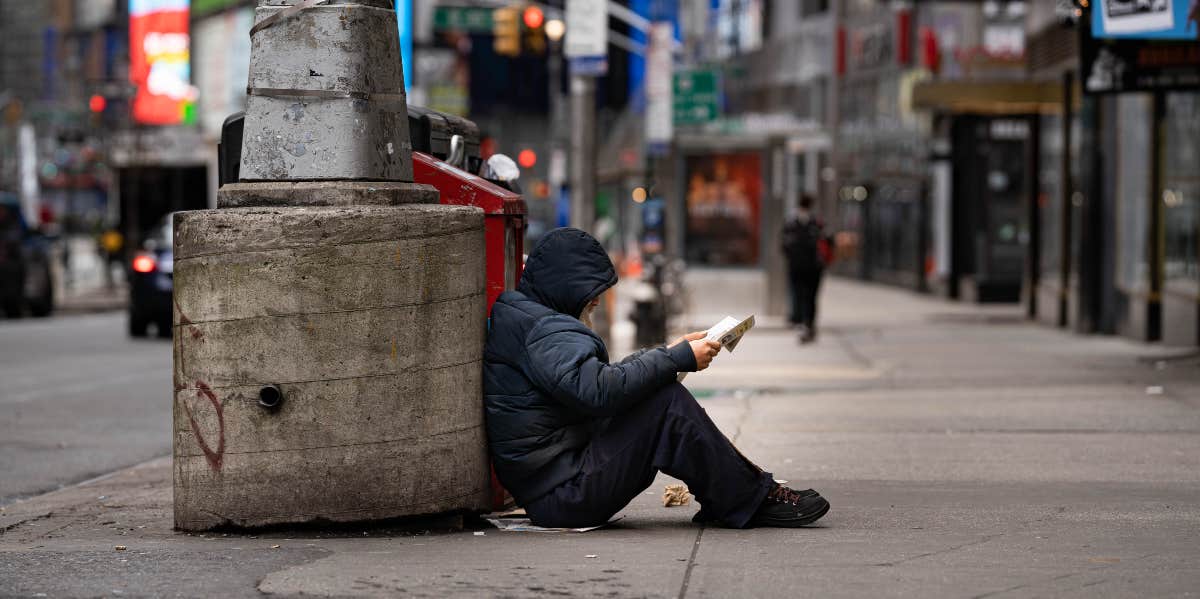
988,97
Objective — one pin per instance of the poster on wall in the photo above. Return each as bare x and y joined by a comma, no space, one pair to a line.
723,202
1116,65
1147,19
159,62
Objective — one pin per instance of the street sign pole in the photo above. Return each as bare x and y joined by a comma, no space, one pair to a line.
583,152
586,48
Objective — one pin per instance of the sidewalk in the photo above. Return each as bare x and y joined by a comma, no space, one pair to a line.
97,299
966,454
81,288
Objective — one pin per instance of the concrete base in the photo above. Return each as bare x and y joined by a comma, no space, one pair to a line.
324,193
370,321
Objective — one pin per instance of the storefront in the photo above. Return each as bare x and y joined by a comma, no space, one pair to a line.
1142,72
1181,218
880,159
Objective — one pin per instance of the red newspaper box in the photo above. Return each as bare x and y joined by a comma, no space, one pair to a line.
504,235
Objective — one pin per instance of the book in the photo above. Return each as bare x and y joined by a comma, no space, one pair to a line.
728,332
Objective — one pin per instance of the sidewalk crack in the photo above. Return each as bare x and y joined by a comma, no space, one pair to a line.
687,574
10,527
941,551
852,351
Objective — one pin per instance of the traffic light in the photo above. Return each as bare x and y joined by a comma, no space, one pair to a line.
507,29
527,158
533,17
535,36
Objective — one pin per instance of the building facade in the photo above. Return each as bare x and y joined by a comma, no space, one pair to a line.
735,174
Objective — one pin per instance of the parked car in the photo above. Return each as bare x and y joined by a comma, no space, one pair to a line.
151,283
25,258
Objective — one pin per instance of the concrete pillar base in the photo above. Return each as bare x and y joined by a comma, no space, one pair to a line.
370,322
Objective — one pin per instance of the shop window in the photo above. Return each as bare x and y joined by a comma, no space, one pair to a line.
724,194
1181,194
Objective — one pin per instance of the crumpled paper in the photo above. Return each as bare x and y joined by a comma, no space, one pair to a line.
676,495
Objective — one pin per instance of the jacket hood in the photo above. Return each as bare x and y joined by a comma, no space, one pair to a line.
567,269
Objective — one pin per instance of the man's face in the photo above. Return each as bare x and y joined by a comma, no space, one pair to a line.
586,317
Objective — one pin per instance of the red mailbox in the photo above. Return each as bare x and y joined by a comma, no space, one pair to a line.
504,218
504,235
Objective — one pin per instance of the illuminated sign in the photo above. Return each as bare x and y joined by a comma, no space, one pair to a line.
1147,19
404,19
159,62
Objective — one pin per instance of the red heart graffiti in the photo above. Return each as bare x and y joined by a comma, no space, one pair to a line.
214,457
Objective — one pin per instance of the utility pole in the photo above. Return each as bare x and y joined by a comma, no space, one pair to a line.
587,49
583,152
555,29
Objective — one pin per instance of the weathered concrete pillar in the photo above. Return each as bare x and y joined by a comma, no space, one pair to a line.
329,317
326,94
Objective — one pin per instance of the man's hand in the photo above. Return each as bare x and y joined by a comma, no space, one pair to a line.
704,352
689,337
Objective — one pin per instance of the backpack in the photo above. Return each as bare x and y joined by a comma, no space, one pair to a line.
806,246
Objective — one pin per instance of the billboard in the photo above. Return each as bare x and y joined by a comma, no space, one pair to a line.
1140,62
723,201
159,57
1147,19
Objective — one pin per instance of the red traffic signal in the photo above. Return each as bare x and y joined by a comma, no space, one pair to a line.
527,158
97,103
534,17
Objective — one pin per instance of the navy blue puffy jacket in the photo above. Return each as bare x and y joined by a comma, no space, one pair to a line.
547,381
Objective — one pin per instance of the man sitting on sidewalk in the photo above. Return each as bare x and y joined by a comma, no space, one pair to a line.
575,438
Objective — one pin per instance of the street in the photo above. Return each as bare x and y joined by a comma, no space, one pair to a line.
966,452
933,268
78,399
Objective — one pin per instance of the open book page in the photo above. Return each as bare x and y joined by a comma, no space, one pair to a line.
728,333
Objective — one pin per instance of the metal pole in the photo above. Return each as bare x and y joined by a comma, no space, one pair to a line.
1068,188
1158,238
583,152
554,71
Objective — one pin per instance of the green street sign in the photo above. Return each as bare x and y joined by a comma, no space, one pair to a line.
203,7
697,97
468,19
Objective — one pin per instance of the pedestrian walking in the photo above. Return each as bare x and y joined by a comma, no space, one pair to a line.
808,251
575,438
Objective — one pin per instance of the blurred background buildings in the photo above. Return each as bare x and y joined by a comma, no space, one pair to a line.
954,147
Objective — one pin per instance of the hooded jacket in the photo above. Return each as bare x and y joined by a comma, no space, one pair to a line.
546,378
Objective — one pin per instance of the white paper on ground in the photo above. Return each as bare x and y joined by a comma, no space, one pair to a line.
525,525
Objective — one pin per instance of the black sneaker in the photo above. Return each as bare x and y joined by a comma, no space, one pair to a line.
788,508
702,517
808,334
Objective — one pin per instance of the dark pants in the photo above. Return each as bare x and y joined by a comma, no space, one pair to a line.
667,432
805,285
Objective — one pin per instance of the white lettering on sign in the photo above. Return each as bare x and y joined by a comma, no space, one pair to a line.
587,28
659,120
158,44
